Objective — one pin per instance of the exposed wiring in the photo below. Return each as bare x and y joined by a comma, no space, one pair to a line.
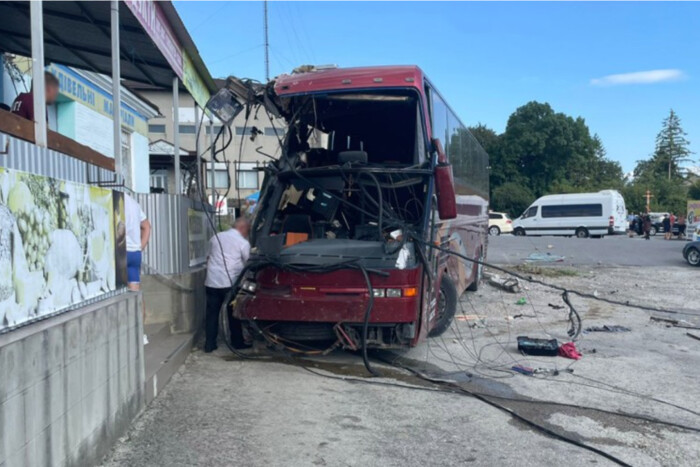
365,321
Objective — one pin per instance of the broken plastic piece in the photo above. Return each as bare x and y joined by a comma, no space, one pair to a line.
568,350
525,370
521,301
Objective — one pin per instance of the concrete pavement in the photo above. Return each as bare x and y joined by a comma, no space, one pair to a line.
223,411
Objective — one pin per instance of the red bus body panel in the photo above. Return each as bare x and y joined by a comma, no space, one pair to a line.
333,297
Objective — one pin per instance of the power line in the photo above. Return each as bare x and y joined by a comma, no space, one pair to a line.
267,43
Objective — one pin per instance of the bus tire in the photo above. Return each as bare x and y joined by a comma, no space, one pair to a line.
447,305
519,232
476,273
581,232
230,328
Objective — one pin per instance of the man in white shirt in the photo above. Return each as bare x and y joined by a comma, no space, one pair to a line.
138,231
228,253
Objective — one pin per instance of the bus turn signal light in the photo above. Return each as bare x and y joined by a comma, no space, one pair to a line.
410,292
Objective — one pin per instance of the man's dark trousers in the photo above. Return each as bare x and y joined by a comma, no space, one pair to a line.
215,299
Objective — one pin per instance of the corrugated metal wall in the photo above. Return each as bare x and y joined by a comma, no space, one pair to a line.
168,248
22,155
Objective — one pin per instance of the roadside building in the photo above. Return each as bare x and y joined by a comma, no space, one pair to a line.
76,371
236,172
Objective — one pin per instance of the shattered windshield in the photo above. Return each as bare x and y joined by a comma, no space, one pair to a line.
355,169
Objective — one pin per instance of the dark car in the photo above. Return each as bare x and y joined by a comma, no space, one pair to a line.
691,253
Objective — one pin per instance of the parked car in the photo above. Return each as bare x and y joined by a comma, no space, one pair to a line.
499,222
693,232
580,214
691,253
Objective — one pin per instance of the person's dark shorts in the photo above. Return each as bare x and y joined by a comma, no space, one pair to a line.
133,266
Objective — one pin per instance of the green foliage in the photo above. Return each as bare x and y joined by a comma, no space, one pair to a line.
694,190
511,197
671,147
662,174
544,152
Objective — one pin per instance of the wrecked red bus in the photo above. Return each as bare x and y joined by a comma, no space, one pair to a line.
375,168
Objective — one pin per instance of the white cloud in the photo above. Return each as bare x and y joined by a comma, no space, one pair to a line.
640,77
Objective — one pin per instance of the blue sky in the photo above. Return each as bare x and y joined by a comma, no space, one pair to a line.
487,59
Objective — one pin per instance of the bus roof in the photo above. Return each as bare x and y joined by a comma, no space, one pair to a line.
333,79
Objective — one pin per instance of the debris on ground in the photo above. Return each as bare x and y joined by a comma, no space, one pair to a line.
689,334
475,321
521,301
676,323
538,347
525,370
510,284
607,328
538,257
568,350
556,307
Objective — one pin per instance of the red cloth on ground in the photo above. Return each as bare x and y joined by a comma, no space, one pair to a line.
568,350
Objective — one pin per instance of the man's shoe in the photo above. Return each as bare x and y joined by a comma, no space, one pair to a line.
209,348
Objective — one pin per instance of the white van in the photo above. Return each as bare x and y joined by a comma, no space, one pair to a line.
580,214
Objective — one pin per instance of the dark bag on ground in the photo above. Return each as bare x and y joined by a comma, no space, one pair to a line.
542,347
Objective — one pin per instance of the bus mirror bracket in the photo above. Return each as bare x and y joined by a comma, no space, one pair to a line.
444,184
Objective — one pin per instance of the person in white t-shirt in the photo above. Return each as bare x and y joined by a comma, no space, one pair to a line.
138,231
228,253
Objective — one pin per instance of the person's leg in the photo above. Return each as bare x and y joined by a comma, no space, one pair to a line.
133,270
215,298
133,274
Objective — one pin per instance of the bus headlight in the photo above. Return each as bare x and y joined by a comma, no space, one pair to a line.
249,286
379,293
393,293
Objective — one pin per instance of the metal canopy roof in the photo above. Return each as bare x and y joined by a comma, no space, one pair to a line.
78,34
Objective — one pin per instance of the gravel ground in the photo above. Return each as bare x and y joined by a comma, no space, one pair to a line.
221,410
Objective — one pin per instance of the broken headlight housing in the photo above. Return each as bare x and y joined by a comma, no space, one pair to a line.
249,286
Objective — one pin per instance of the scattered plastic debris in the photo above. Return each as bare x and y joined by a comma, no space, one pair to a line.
525,370
676,323
544,258
510,284
568,350
475,321
542,347
521,301
607,328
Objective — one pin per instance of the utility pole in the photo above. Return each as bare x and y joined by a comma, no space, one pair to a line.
267,43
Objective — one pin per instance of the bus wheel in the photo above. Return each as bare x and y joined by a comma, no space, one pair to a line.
519,232
446,306
581,233
476,273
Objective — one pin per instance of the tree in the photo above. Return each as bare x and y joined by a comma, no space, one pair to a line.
553,153
694,190
672,146
512,198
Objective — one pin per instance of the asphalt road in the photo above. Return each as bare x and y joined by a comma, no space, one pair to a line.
618,250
